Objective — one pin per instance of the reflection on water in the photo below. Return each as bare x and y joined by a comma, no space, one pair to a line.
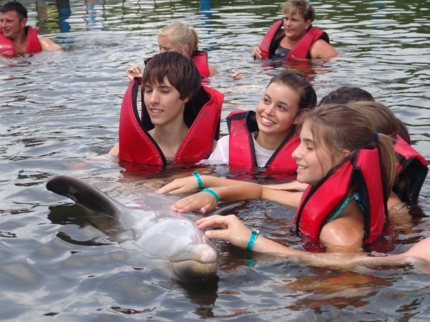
59,110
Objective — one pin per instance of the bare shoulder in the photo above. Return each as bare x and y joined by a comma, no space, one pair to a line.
212,70
322,49
48,44
344,234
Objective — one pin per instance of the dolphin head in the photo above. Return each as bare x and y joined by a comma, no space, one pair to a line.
177,240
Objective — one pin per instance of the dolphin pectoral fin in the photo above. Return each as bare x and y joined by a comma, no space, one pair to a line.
91,198
226,209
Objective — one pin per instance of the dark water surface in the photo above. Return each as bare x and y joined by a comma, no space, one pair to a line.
59,110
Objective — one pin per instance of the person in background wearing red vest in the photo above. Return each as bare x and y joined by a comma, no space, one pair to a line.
294,36
184,40
16,37
179,120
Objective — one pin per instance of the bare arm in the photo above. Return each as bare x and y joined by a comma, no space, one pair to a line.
256,52
344,234
205,201
190,183
134,71
230,228
321,49
237,75
293,185
115,150
212,70
48,44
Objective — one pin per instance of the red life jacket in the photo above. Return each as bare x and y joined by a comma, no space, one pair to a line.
33,45
137,145
319,203
200,58
300,50
411,165
241,125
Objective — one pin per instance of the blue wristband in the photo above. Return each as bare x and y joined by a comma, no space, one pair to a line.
199,179
252,239
213,193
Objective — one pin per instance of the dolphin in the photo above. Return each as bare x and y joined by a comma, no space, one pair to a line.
160,236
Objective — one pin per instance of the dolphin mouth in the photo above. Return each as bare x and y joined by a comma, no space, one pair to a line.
194,271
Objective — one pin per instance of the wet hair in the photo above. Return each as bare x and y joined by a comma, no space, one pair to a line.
308,97
384,121
339,127
381,117
181,72
346,94
15,6
302,7
403,131
181,35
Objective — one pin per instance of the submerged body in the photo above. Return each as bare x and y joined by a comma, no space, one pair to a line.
187,254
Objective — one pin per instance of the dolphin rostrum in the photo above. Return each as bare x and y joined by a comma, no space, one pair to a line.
168,236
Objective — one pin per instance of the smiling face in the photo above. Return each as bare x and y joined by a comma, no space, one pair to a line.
313,158
295,26
163,103
277,111
10,24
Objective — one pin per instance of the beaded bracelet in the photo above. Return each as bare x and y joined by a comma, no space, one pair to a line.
213,193
199,179
252,239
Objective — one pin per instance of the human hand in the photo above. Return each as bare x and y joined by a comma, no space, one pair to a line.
229,228
202,201
256,52
179,185
237,75
134,71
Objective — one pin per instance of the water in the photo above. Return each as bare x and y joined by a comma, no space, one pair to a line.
59,110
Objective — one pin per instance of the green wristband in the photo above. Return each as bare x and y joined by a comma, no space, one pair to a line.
252,239
199,179
213,193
